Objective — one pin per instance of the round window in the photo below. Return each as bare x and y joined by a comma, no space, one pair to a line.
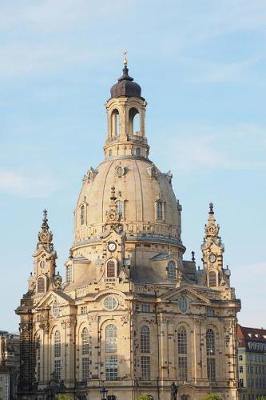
110,303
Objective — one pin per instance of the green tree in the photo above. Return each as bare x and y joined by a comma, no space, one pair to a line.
261,398
64,396
145,396
212,396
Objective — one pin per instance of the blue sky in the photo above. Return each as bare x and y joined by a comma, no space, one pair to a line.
202,68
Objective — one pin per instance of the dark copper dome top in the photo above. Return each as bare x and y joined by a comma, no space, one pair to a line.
125,86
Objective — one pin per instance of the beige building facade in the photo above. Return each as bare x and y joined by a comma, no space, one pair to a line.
132,314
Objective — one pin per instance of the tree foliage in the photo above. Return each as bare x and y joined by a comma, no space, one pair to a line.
212,396
145,396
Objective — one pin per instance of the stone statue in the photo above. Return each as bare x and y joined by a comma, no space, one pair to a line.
173,391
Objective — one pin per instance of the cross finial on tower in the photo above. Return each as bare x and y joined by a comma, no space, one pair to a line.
211,208
125,58
45,220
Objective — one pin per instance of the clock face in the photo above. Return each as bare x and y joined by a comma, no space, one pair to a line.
112,246
212,258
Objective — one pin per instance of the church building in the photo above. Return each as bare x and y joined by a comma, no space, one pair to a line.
132,315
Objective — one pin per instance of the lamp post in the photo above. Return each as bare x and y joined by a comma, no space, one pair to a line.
103,392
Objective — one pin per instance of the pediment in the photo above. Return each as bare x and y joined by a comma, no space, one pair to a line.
54,297
193,294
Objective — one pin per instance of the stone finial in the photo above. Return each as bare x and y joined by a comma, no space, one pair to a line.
45,236
193,256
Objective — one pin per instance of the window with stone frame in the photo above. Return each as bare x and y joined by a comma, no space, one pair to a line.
110,269
145,364
57,344
159,210
210,349
111,368
57,356
82,214
40,285
171,270
85,368
69,273
145,345
182,353
111,339
120,208
57,369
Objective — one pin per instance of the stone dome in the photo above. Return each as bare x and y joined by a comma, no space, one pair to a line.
125,86
138,186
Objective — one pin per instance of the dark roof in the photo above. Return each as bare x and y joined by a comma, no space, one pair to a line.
125,86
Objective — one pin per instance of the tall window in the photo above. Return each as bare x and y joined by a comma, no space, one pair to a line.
82,214
69,273
85,349
210,348
145,339
115,123
171,270
38,358
134,121
138,153
120,208
159,210
40,285
110,269
57,344
111,368
111,339
182,353
145,367
57,355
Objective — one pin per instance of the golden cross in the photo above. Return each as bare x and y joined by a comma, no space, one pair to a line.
125,58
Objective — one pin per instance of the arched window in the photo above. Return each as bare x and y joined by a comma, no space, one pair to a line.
159,210
111,339
57,355
134,122
171,270
110,153
82,214
145,339
110,269
212,279
115,122
210,348
85,349
182,353
40,285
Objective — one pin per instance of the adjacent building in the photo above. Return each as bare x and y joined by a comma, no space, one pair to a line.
9,364
251,362
132,314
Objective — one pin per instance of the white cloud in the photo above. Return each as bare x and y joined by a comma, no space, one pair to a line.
239,147
27,185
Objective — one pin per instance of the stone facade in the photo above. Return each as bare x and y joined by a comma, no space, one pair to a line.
9,364
131,314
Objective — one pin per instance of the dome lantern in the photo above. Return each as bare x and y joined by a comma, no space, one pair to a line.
126,120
